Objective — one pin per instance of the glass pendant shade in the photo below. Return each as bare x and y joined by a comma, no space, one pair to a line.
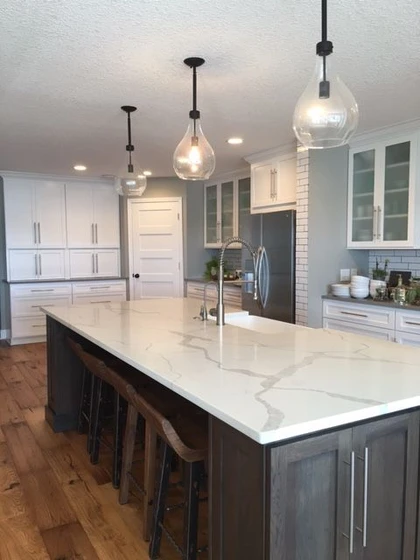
325,122
131,184
194,158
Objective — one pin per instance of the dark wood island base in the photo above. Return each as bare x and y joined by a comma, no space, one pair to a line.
348,494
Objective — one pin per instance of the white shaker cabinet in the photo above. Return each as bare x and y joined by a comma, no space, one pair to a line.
32,264
34,213
87,263
92,215
383,186
273,183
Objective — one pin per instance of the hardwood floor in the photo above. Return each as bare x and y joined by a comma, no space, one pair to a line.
53,503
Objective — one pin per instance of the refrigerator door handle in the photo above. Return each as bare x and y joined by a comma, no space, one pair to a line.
263,276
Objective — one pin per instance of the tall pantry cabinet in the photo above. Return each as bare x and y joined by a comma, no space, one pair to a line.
57,230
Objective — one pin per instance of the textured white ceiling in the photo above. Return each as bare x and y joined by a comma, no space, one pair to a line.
66,67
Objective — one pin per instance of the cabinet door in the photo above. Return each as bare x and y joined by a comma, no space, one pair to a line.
80,222
50,214
106,216
407,338
362,225
212,222
82,263
51,264
310,498
23,264
393,210
285,181
244,202
262,184
19,214
227,210
107,262
386,487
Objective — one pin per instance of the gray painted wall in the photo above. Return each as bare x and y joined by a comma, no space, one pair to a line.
327,227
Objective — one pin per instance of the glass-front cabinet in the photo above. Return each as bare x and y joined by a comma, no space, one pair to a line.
382,184
226,203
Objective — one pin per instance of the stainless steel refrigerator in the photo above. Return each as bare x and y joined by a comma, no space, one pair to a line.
276,232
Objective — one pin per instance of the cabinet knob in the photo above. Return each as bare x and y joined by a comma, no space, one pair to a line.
136,275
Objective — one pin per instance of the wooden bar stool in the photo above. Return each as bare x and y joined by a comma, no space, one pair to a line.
186,435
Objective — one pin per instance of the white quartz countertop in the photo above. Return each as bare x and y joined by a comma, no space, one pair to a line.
270,380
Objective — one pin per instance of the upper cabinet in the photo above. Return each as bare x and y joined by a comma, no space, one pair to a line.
92,215
273,183
34,213
383,180
226,202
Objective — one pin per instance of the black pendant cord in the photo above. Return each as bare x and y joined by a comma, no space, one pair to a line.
195,96
324,48
129,146
324,38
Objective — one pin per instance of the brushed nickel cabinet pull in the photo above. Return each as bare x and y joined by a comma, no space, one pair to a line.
39,232
40,265
96,233
375,222
93,263
97,266
275,183
412,323
36,264
35,233
354,314
365,497
351,528
105,301
45,290
378,223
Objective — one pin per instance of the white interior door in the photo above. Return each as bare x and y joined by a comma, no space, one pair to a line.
156,248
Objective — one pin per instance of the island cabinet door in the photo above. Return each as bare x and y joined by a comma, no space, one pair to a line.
386,488
310,498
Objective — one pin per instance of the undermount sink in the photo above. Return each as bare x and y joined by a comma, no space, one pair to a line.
254,323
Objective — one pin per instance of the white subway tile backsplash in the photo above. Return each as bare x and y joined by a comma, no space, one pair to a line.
403,259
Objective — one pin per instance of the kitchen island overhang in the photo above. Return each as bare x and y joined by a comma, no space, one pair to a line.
263,393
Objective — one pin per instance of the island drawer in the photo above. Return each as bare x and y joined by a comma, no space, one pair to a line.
360,313
407,321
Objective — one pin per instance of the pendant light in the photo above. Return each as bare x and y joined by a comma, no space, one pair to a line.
134,182
194,158
326,114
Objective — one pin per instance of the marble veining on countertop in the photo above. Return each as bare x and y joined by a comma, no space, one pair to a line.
370,301
284,382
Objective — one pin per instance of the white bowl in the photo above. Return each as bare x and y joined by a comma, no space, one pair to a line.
356,278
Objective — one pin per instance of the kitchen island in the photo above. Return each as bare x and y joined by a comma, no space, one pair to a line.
314,434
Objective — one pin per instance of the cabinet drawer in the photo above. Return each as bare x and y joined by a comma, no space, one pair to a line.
31,307
23,327
39,290
407,321
361,314
98,298
87,288
374,332
407,338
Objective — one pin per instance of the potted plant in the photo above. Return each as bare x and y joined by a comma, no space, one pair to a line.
212,269
380,273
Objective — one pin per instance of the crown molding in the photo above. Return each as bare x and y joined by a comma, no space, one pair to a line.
398,129
50,177
284,150
236,173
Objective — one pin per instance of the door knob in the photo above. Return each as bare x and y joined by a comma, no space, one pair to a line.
136,275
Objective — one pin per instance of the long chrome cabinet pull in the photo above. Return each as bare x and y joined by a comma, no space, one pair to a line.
96,233
40,265
365,496
93,263
354,314
39,232
97,263
35,232
412,323
378,223
352,469
275,183
375,223
36,264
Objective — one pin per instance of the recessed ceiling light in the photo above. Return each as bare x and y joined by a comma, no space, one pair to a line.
79,167
235,141
147,173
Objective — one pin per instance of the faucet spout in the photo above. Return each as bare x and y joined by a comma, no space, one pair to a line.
220,320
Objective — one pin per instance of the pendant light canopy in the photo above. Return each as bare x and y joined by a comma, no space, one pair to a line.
194,158
326,114
134,182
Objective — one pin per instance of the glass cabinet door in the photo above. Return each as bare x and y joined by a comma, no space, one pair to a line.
244,201
227,210
396,193
211,215
363,196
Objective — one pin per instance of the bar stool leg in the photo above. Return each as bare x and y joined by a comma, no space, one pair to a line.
161,494
97,422
82,403
118,439
192,474
149,479
127,461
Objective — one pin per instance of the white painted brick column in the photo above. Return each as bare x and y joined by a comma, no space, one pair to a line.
302,194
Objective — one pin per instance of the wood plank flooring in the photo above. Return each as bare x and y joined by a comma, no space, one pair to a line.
53,503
